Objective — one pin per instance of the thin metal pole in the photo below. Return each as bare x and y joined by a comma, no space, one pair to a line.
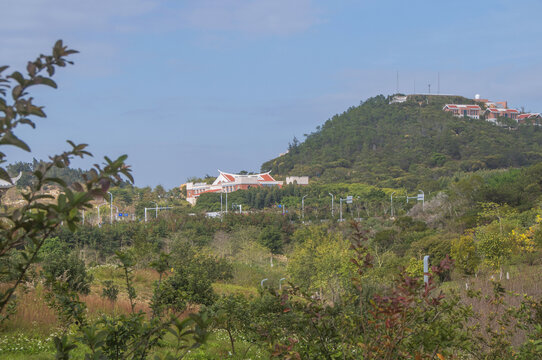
331,204
341,216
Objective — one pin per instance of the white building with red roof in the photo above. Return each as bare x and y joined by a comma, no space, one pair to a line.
493,113
227,182
530,118
460,110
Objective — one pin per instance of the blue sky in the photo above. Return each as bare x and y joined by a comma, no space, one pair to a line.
188,87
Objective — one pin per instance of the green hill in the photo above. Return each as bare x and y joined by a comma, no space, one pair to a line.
406,144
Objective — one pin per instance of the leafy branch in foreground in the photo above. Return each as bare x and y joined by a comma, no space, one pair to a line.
24,230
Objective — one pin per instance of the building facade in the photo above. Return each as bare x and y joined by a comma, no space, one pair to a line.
460,110
227,182
530,118
492,114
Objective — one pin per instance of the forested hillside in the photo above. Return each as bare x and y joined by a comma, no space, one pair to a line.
396,145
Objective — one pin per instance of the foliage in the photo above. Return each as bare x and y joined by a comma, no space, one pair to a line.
317,264
25,229
405,144
465,254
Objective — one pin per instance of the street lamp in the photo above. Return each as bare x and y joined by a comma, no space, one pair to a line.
422,198
391,201
261,282
303,207
111,208
332,197
280,283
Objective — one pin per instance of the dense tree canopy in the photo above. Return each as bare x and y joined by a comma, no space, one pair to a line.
397,145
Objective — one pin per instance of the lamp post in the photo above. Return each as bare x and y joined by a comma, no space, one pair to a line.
280,283
261,282
111,208
391,201
303,207
332,197
422,197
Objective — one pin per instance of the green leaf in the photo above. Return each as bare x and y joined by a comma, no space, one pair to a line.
10,139
17,76
4,175
45,81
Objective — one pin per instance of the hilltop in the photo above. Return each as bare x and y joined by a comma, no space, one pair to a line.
406,144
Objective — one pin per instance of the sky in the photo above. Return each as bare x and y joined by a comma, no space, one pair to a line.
189,87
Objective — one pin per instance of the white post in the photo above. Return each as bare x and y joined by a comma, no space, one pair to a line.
145,214
261,282
426,269
280,283
331,204
83,216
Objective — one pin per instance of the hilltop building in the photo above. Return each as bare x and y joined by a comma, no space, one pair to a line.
227,182
299,180
460,110
493,113
530,118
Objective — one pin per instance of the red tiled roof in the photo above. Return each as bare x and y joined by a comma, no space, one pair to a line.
528,115
496,110
461,106
267,177
229,177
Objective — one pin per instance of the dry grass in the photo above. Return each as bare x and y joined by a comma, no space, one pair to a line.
523,280
34,315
